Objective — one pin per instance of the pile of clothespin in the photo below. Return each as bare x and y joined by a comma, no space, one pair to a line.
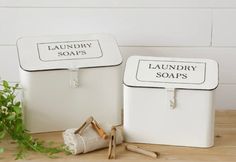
107,139
95,125
102,134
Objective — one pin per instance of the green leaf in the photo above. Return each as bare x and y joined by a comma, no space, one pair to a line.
11,117
5,84
19,128
17,109
1,150
15,87
14,126
17,104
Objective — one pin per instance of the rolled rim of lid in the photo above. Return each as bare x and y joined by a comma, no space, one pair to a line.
103,52
210,81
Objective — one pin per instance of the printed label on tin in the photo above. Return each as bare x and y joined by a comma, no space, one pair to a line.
171,71
69,50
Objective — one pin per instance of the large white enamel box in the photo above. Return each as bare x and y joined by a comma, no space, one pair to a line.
170,100
65,79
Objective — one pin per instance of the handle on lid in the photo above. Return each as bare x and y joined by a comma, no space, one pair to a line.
74,77
171,101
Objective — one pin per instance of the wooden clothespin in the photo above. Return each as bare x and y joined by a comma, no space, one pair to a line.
142,151
84,125
99,129
112,144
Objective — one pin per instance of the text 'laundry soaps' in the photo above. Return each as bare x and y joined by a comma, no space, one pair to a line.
67,78
170,100
181,70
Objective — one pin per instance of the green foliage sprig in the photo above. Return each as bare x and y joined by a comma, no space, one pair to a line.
11,124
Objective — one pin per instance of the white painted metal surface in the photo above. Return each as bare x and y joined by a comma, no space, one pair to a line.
57,97
225,94
66,52
172,102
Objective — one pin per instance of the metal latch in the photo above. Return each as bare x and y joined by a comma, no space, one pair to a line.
74,77
171,101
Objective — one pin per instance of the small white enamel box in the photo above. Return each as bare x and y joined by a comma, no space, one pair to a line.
170,100
65,79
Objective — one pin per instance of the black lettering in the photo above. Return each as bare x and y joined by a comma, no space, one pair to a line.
59,54
158,75
89,45
171,75
73,53
165,75
164,67
178,75
184,76
69,46
83,45
187,68
150,66
83,52
66,53
172,67
154,66
194,68
60,47
49,48
179,67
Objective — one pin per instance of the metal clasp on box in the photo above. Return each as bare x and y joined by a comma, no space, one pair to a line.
171,101
74,77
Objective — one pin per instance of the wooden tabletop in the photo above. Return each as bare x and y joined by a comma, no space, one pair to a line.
223,151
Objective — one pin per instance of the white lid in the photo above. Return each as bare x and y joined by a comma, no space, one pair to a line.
66,52
163,72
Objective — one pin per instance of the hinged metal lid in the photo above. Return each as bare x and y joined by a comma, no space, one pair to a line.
68,52
172,73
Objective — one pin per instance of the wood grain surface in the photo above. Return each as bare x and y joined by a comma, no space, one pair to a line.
223,151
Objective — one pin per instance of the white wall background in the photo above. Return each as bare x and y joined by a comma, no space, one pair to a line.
178,28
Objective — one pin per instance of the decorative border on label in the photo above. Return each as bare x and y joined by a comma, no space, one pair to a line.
68,42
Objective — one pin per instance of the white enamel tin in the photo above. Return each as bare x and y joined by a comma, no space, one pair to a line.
170,101
65,79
